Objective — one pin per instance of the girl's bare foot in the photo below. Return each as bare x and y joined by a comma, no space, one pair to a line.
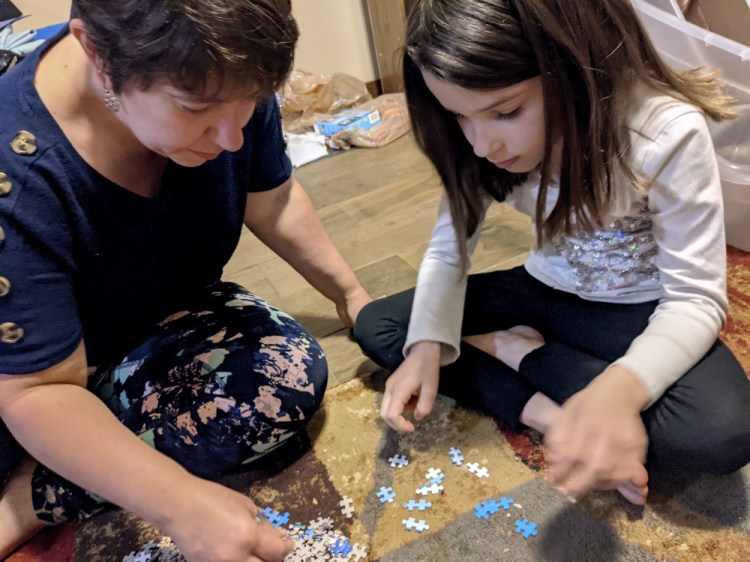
18,522
509,346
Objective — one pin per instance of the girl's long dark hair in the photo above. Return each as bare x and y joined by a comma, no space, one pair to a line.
589,55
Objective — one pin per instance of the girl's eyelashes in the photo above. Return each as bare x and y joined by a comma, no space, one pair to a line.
508,115
495,114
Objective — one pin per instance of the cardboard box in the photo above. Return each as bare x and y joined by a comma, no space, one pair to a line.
349,119
730,18
684,44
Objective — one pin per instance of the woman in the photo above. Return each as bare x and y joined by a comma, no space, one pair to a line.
138,143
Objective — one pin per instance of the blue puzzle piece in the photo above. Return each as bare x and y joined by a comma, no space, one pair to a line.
270,514
485,509
280,520
421,505
456,457
412,524
386,494
505,503
437,480
526,528
341,549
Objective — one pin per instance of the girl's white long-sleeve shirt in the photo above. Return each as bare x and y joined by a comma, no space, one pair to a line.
662,240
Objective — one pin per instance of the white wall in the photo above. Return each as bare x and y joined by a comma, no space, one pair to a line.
41,13
334,34
334,37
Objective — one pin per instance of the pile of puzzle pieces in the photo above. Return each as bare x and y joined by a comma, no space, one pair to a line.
318,540
434,485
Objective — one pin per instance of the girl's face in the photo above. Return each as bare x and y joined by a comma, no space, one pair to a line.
183,128
505,126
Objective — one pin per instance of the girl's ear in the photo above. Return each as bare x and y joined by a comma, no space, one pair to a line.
79,31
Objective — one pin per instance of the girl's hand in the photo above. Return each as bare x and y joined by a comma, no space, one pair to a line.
598,440
412,387
219,525
349,309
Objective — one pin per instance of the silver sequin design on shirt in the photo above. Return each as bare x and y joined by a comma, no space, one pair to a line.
621,255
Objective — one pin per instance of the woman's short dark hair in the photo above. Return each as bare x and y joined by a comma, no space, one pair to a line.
199,46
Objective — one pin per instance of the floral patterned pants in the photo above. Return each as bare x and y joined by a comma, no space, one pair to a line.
214,387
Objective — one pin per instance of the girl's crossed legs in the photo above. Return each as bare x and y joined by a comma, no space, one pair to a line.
699,425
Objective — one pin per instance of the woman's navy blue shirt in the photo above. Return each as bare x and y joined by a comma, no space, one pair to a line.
87,259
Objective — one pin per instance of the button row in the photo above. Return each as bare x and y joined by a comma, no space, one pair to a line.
24,144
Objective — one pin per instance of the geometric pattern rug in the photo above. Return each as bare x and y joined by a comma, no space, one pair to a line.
345,453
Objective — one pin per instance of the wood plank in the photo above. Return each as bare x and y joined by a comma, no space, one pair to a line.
388,27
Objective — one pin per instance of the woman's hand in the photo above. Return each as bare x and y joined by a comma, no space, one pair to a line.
598,441
348,310
220,525
412,387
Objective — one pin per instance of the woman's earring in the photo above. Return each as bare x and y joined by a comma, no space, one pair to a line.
111,100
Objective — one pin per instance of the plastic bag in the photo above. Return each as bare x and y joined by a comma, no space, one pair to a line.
394,123
307,98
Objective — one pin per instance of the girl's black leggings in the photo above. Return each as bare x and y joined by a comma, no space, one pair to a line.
702,422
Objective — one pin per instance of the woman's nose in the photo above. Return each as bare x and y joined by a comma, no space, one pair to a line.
228,131
228,135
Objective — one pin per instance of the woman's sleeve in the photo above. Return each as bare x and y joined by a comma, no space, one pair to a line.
39,321
270,166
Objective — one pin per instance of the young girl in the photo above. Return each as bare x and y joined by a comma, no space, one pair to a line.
136,146
606,339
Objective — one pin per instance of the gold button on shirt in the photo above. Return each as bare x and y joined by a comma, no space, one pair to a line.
4,286
10,333
5,184
24,143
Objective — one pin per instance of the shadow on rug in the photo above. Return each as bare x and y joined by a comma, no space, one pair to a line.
347,455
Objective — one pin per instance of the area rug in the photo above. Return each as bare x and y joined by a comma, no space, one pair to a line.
494,506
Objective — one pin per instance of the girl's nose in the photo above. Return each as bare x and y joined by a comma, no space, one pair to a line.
482,139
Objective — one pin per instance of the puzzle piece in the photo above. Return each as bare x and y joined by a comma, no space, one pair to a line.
347,509
321,524
456,456
476,470
341,549
412,524
423,490
152,552
281,520
398,461
526,528
386,494
270,514
437,479
434,473
485,509
505,503
421,505
358,552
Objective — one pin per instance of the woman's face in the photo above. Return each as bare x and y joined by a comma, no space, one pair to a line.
187,130
505,126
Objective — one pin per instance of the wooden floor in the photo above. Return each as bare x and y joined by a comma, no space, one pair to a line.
378,206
